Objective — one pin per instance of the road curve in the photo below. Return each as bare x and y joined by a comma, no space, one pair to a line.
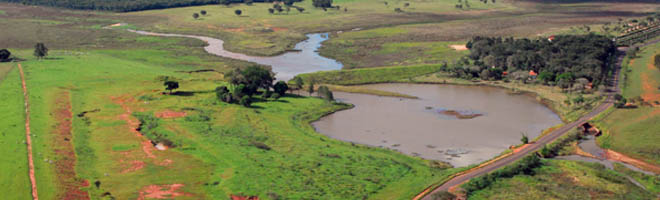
33,180
613,89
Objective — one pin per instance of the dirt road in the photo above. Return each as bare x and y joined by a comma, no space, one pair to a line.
33,180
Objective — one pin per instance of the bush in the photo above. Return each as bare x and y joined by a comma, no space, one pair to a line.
4,55
525,166
280,88
245,101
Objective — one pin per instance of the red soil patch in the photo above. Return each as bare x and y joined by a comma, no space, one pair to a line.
276,29
168,114
236,197
63,147
613,155
133,124
650,89
516,150
161,192
33,180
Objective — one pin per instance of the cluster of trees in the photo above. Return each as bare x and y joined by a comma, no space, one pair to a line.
525,166
562,60
287,7
4,55
130,5
322,3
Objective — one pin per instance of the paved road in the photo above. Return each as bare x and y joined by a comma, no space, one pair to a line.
609,101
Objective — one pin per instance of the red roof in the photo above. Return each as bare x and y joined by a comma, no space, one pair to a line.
532,73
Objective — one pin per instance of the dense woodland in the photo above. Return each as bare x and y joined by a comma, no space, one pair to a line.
128,5
561,60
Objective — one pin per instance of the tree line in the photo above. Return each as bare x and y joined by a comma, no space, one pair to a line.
559,60
129,5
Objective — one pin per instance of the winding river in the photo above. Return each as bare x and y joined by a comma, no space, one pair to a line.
419,127
303,59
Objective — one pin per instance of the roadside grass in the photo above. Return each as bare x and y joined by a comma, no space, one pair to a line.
633,131
15,183
650,182
219,147
558,179
257,32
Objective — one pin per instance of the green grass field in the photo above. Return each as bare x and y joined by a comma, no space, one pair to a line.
558,179
15,182
215,154
633,131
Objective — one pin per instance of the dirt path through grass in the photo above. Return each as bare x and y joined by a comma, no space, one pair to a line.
33,180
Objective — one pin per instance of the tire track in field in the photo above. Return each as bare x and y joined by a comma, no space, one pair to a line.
33,180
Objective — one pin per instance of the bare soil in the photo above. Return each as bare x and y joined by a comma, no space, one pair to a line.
63,147
162,192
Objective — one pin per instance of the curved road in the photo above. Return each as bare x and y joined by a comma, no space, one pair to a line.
612,90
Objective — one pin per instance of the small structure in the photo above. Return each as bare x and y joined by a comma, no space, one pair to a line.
532,74
587,128
551,38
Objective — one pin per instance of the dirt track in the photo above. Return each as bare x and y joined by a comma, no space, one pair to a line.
458,180
33,180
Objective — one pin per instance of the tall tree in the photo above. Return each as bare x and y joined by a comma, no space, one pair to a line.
171,85
195,15
238,12
310,89
40,50
253,77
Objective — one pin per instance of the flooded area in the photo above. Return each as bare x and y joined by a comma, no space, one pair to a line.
418,126
303,59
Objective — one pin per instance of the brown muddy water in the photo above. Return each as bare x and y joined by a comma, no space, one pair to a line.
304,58
417,126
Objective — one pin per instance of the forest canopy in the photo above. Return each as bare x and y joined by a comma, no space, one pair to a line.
557,60
126,5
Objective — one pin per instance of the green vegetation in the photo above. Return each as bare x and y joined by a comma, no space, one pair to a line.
557,179
568,61
631,131
217,150
15,183
370,75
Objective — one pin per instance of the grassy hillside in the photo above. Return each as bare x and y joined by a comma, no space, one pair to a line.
559,179
219,147
633,131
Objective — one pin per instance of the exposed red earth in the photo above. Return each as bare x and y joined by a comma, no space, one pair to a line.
168,114
161,192
33,180
66,156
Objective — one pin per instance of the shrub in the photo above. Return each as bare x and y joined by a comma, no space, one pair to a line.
4,55
280,88
245,101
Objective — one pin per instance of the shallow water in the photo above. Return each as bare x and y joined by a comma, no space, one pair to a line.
415,126
304,59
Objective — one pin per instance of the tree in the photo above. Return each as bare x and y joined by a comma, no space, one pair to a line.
300,9
398,10
203,12
271,10
222,93
322,3
171,85
40,50
310,89
248,2
253,78
579,99
524,138
325,93
443,195
298,82
406,4
545,77
195,15
238,12
280,88
4,55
